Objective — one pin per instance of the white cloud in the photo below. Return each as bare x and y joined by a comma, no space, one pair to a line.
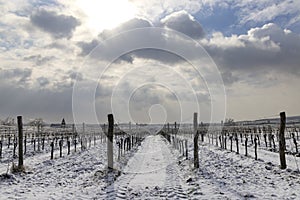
185,23
259,53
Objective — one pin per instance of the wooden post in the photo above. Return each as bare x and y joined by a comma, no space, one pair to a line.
69,144
246,146
196,156
265,137
295,142
282,141
270,136
196,135
60,148
237,144
110,137
255,148
8,140
20,129
75,143
225,141
1,149
230,137
121,146
34,145
38,132
25,147
14,151
186,149
273,140
43,143
119,149
52,149
195,122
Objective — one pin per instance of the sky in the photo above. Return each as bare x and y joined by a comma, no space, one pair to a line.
149,61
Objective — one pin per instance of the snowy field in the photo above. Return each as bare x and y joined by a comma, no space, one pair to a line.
152,170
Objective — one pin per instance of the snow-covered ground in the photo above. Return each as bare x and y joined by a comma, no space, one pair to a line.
154,170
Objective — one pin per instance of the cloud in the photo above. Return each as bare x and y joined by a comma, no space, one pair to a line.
183,22
58,25
88,46
17,75
74,75
192,29
229,78
39,59
126,26
262,50
43,81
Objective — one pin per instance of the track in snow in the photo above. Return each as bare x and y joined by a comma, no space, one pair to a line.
151,173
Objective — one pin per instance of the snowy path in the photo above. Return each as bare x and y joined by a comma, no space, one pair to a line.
152,173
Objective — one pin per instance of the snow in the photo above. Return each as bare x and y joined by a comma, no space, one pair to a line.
152,170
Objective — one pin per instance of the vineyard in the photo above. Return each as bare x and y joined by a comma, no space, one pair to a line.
174,161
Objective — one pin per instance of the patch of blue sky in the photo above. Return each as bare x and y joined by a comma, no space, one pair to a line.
218,19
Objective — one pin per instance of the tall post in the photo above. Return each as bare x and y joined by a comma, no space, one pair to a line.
83,139
195,122
282,141
196,135
20,129
110,141
186,150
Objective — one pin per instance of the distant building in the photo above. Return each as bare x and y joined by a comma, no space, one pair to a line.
61,125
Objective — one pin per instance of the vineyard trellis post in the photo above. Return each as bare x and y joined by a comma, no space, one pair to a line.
282,141
255,147
20,130
196,135
110,141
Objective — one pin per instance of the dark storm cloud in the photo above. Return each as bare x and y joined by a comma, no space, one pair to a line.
59,26
183,22
153,54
